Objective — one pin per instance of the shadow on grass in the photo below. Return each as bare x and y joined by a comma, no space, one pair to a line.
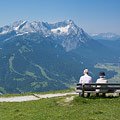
102,97
88,100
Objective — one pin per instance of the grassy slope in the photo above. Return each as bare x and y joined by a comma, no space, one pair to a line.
57,109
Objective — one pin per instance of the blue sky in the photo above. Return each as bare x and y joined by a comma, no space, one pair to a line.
94,16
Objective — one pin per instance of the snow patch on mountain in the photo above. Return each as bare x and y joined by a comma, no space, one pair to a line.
16,28
4,32
61,30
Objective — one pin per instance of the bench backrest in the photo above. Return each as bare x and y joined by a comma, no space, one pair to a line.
101,86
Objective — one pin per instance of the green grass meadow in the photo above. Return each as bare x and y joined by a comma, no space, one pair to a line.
57,108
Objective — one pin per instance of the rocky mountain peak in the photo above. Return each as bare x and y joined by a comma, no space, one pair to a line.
67,32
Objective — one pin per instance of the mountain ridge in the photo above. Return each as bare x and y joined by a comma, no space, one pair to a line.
105,36
62,31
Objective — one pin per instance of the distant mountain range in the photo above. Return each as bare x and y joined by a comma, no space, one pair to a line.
67,33
105,36
40,56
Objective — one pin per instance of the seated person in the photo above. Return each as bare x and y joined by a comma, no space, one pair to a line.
101,80
85,79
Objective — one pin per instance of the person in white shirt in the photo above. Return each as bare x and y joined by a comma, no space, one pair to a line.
85,79
101,80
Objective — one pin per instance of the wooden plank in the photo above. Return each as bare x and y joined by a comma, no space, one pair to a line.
77,91
101,88
99,84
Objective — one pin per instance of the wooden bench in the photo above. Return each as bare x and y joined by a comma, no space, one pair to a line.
97,88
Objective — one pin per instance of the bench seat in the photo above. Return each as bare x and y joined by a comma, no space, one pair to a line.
98,88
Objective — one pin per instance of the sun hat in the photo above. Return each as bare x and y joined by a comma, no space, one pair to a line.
102,74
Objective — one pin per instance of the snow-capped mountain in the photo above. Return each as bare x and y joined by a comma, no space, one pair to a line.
105,36
67,33
24,27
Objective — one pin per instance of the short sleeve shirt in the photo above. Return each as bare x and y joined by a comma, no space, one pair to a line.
85,79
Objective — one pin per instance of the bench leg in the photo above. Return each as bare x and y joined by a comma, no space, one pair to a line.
80,94
83,95
97,94
88,95
83,90
103,94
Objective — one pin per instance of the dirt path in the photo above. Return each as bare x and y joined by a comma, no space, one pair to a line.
32,97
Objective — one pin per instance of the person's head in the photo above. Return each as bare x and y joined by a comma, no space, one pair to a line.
86,71
102,74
